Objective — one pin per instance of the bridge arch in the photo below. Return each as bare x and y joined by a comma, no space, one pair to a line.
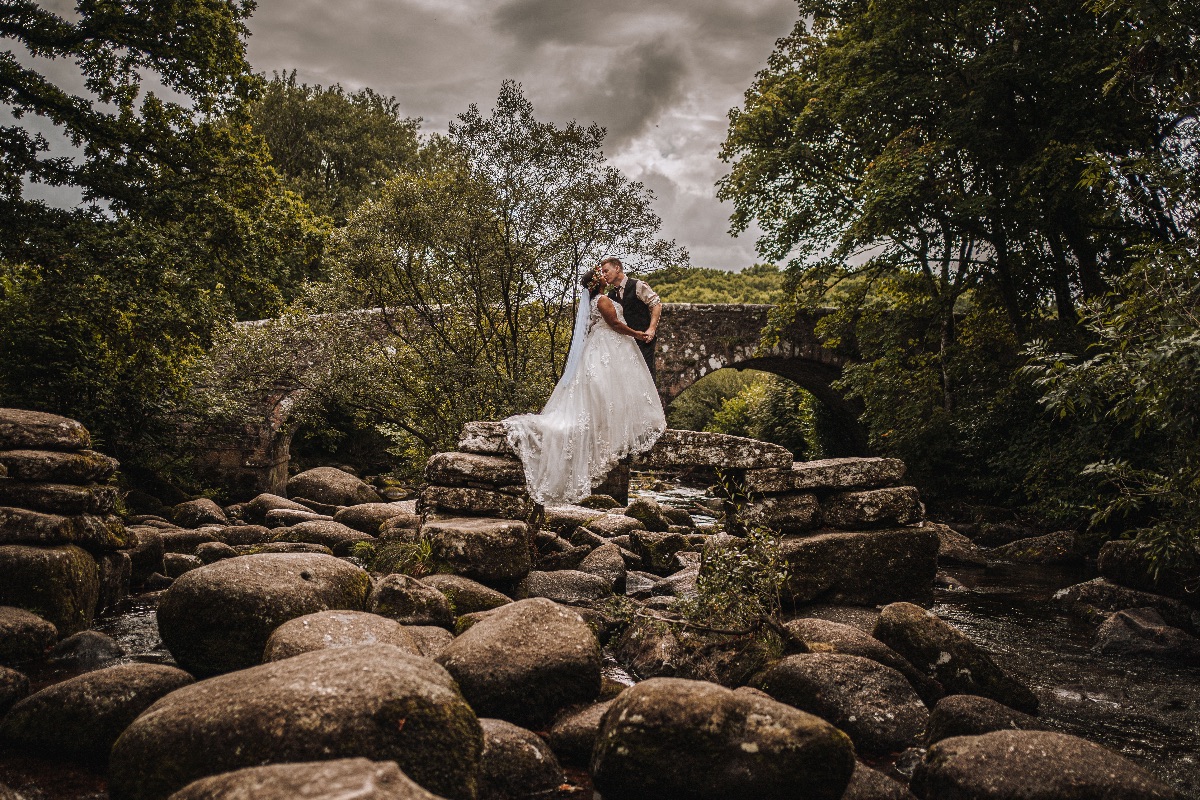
695,339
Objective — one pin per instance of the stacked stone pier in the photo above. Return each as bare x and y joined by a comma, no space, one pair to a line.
62,548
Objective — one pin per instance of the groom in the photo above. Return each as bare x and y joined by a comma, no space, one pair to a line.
641,305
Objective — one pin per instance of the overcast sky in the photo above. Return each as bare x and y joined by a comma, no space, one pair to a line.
660,76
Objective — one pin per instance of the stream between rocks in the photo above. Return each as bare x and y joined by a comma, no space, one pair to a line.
1147,710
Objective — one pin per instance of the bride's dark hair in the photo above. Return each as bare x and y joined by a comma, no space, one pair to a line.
592,281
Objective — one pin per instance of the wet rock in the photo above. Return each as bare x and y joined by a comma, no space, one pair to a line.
1031,765
256,510
649,513
861,568
1141,632
473,469
146,555
465,595
115,572
84,715
431,640
329,629
863,618
370,517
606,562
970,715
697,448
373,701
185,541
218,618
650,648
176,564
516,764
657,550
85,650
332,486
667,737
215,551
566,518
897,505
960,665
613,525
47,466
24,635
286,517
35,430
873,704
282,547
821,635
22,526
337,537
1097,598
1060,547
59,584
564,586
568,558
789,513
14,686
678,584
829,473
358,778
486,550
996,534
156,582
195,513
1126,563
955,548
524,661
478,502
870,784
58,498
574,732
600,502
410,602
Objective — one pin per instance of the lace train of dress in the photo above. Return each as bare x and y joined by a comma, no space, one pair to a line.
608,409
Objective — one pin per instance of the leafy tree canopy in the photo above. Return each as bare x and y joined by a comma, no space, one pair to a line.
761,283
335,148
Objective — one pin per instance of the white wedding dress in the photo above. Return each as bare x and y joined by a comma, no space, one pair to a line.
605,407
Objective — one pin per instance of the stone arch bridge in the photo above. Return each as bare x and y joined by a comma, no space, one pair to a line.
694,340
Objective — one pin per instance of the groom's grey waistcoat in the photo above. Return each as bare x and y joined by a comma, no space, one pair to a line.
637,313
637,316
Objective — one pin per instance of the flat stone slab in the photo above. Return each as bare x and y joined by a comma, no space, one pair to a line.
479,502
51,466
35,430
676,448
790,513
896,505
861,568
473,469
58,498
486,438
483,549
22,526
828,473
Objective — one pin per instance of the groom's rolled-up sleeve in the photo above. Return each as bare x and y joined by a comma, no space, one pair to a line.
647,295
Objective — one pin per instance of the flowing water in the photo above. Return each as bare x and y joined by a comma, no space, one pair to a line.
1145,709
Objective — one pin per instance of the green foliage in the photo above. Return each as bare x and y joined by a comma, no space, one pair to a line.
695,408
1143,377
413,558
775,410
334,148
761,283
104,309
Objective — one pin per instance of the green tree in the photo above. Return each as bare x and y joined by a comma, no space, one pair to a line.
472,255
104,309
761,283
334,148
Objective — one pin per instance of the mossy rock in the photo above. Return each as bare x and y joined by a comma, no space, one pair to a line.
59,584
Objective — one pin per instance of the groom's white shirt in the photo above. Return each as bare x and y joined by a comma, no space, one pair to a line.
644,292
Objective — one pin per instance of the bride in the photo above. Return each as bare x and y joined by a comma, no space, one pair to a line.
604,408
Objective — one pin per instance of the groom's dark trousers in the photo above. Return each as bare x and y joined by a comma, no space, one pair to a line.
637,316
